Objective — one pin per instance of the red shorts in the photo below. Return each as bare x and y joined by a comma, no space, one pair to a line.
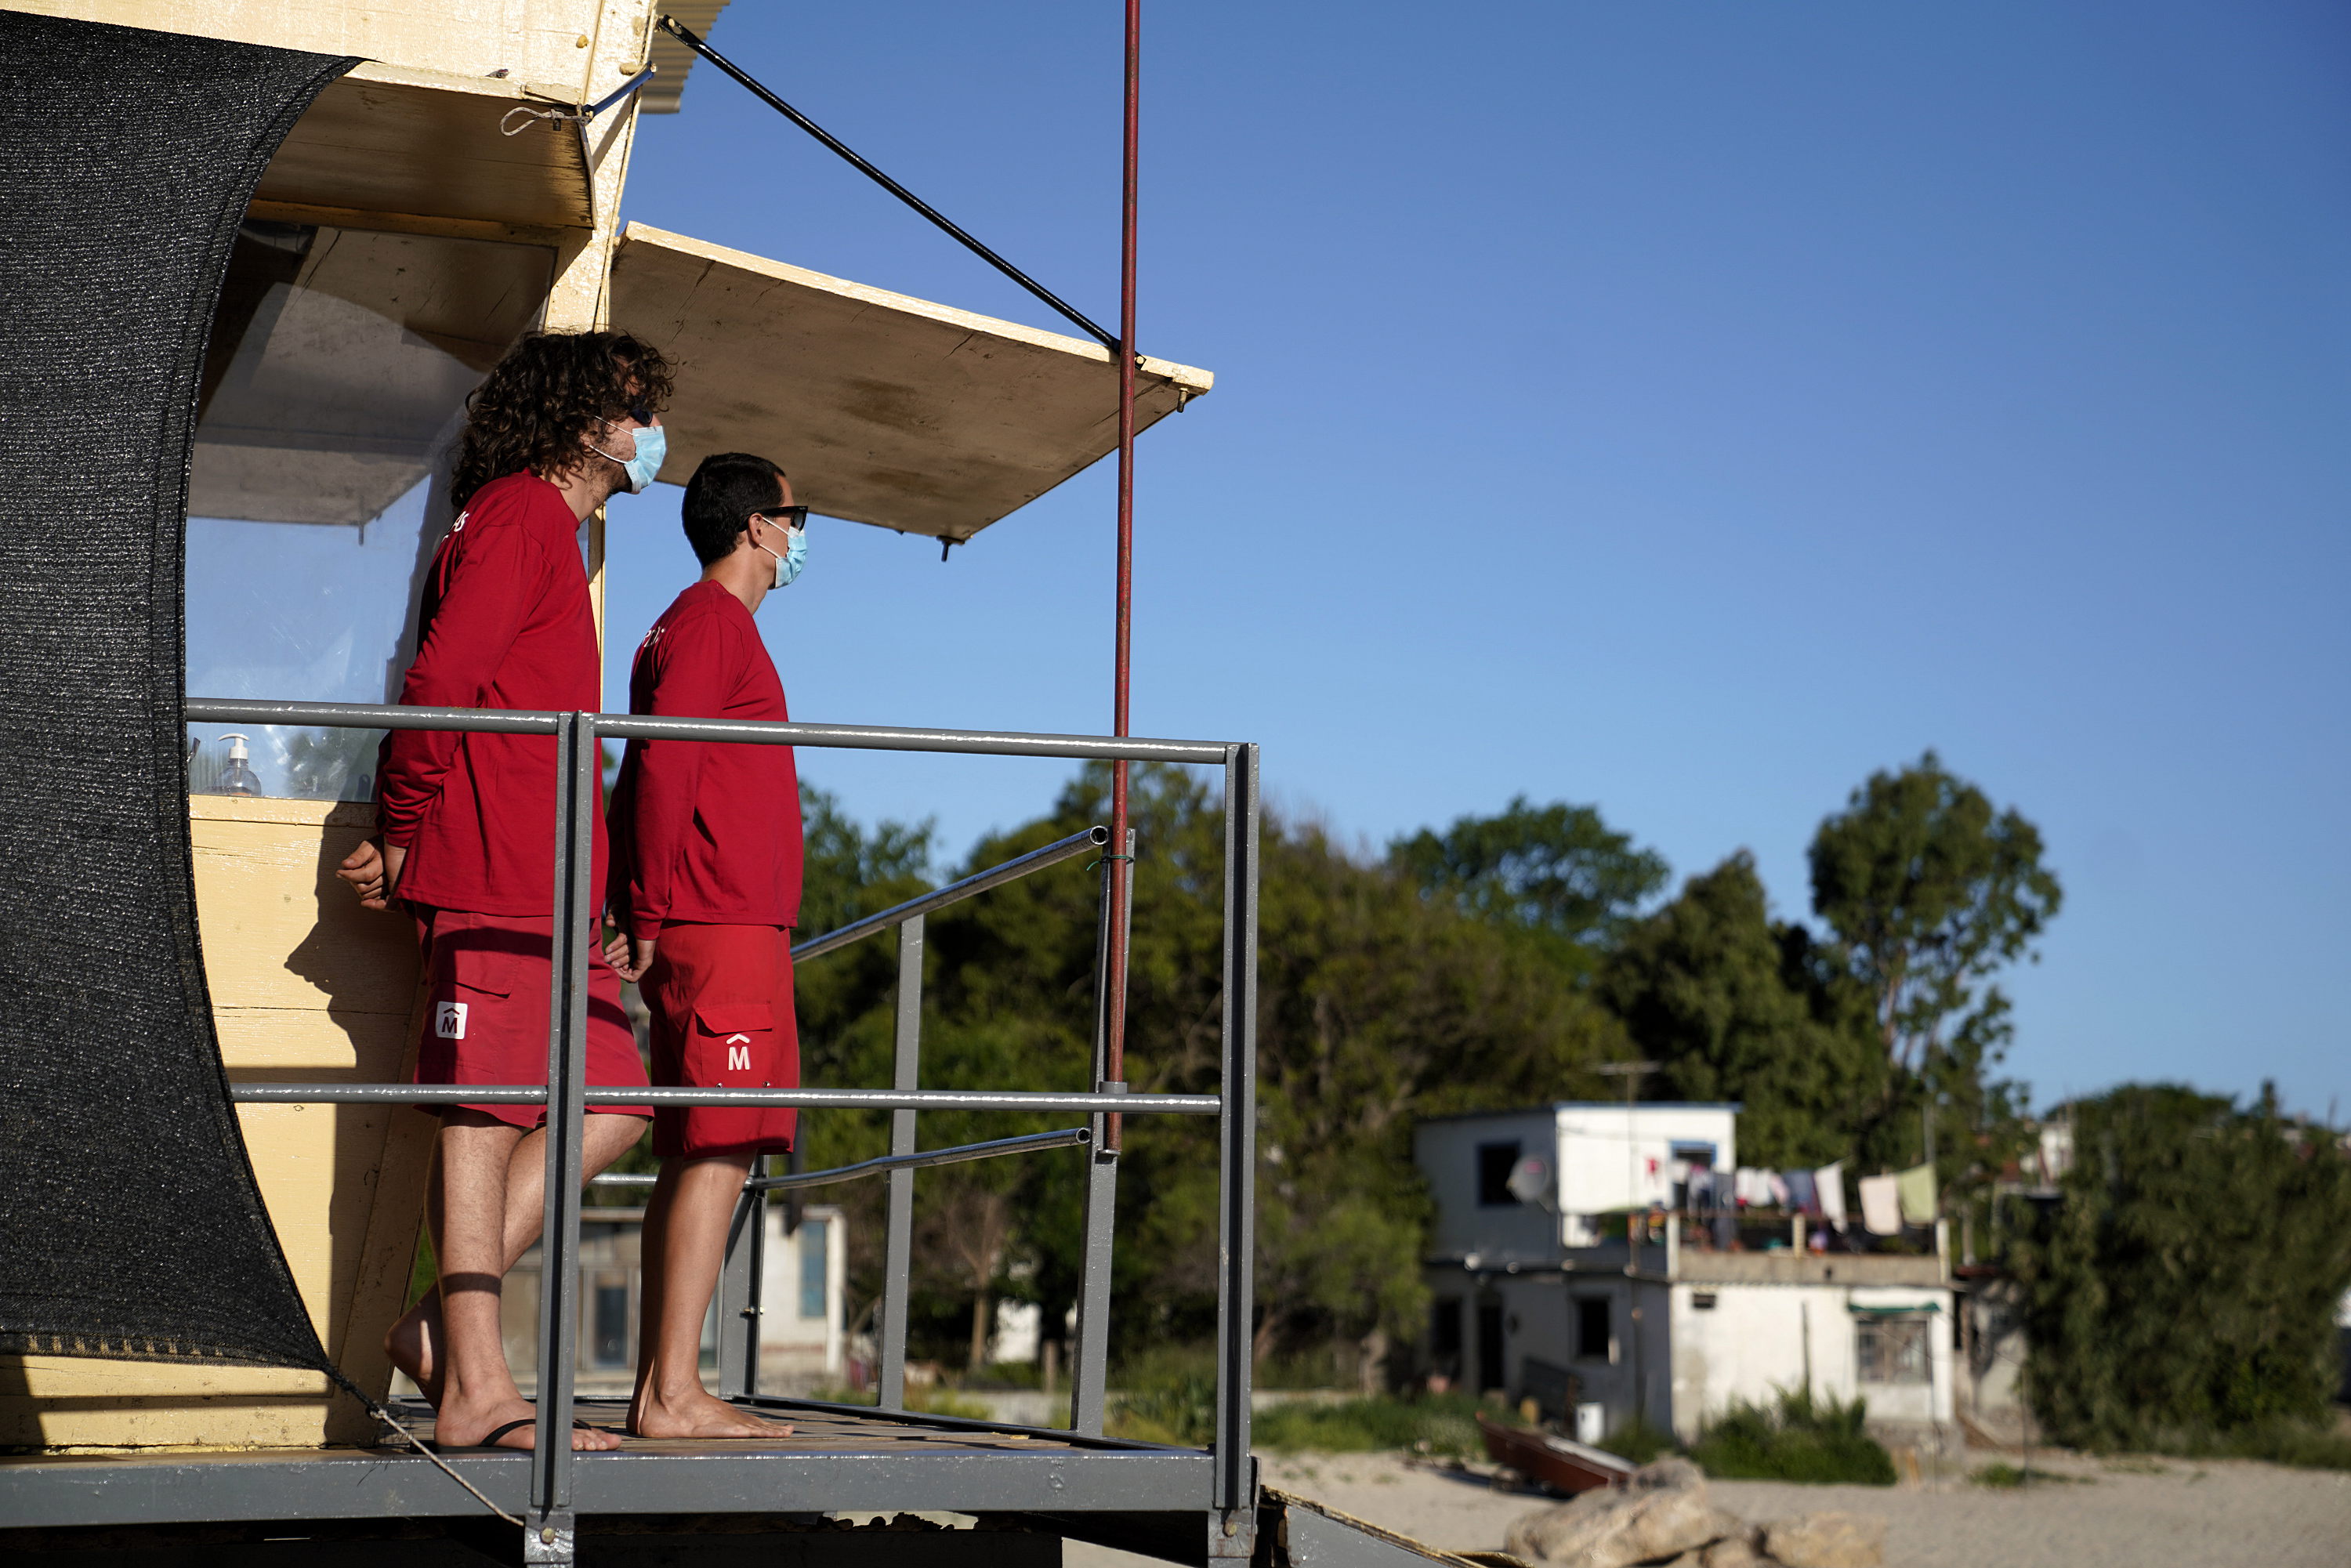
485,1021
722,1003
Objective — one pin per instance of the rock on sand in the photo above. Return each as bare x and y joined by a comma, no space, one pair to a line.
1664,1515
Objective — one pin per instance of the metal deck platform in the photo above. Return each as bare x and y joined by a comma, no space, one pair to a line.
713,1503
1014,1493
839,1458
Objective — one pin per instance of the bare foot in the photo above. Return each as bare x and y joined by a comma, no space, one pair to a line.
458,1425
696,1415
414,1344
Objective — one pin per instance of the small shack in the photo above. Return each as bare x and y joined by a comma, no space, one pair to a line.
1565,1269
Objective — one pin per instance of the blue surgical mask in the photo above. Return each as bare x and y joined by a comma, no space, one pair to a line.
795,556
652,447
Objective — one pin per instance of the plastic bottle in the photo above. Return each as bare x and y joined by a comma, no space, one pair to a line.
237,776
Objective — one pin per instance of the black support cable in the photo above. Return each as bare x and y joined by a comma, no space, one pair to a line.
677,30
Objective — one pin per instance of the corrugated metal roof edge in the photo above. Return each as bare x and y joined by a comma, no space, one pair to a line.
664,93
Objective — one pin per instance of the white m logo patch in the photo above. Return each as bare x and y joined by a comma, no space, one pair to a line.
449,1020
738,1053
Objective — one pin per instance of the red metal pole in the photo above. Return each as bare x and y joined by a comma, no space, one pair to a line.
1121,868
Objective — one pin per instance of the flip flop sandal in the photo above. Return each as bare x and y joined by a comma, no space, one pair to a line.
489,1441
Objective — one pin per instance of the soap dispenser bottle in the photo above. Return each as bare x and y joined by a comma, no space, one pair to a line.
236,776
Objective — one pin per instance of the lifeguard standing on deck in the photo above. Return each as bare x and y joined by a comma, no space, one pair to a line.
564,421
706,889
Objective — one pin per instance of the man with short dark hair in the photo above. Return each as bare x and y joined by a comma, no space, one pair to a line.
467,836
706,889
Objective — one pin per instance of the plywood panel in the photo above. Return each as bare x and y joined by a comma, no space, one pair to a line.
279,931
398,141
415,127
883,409
305,1045
59,1402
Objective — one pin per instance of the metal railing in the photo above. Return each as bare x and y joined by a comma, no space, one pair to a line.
567,1092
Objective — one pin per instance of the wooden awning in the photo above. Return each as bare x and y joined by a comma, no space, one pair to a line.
883,409
388,138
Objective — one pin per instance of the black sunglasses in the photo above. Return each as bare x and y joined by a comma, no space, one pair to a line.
789,517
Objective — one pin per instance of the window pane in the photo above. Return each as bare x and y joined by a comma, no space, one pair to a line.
609,1340
813,1240
1592,1330
1495,1164
1894,1350
333,389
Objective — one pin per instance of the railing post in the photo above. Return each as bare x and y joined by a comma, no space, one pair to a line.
1235,1498
741,1286
548,1536
1090,1353
897,1262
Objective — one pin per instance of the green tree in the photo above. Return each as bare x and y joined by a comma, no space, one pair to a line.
1735,1006
1929,892
1377,1008
2185,1287
1557,869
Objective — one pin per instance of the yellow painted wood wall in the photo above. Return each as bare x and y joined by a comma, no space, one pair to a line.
306,986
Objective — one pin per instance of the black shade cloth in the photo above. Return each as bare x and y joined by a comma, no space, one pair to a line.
130,1222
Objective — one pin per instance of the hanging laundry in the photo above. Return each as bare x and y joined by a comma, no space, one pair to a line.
1802,1193
1780,1192
1744,1187
1828,1187
1881,1204
1917,1186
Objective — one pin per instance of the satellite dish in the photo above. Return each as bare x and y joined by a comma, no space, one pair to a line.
1530,1182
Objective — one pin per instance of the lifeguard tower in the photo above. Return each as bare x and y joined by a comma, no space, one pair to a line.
265,248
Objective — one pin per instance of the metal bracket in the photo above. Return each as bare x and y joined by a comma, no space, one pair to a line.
551,1539
1232,1534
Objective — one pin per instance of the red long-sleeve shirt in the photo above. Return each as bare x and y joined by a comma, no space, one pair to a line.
706,831
504,623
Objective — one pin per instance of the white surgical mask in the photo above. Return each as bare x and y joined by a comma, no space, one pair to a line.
795,556
652,446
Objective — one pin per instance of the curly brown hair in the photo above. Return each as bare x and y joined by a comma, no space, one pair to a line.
551,389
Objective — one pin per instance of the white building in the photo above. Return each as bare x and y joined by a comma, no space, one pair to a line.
803,1343
1577,1160
1531,1300
803,1339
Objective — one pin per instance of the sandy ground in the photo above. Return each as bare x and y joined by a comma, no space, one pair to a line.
2136,1513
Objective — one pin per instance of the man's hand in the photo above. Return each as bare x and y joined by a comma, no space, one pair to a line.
372,871
630,959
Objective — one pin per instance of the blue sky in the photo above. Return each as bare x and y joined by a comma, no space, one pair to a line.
1683,409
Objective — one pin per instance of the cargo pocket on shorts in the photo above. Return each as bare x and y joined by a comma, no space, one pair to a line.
477,979
732,1046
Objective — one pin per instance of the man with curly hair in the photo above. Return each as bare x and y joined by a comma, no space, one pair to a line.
467,839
